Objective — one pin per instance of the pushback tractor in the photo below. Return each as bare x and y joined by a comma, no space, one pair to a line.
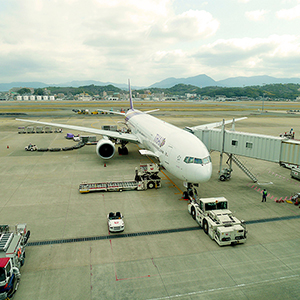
12,256
217,221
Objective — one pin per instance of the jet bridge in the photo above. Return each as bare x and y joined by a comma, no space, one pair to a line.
275,149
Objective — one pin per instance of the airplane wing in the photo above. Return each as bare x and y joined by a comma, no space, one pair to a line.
213,125
113,134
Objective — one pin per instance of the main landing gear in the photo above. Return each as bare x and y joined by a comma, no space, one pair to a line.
123,150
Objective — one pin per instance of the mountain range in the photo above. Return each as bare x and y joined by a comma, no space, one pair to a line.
199,81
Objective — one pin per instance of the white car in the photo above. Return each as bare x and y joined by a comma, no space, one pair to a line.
31,147
115,222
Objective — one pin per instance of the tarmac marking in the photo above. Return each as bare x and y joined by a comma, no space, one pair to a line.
115,269
226,288
254,187
283,177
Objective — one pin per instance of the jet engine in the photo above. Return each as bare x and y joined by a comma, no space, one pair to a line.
105,148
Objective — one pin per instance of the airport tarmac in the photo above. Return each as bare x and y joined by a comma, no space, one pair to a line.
165,255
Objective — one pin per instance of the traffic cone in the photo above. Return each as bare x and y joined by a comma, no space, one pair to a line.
7,147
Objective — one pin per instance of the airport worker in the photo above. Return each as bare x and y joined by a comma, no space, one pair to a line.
264,196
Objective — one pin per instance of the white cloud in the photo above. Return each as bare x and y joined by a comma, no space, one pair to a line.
111,40
289,14
191,25
251,56
72,38
256,15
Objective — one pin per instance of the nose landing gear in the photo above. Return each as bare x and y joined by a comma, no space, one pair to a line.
191,192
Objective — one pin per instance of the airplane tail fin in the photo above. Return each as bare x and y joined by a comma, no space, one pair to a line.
130,95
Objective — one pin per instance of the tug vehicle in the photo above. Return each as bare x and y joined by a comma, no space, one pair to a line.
213,215
12,257
115,222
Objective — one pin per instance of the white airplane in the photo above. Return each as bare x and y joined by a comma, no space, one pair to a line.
179,151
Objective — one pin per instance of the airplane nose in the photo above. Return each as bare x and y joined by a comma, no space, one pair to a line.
204,173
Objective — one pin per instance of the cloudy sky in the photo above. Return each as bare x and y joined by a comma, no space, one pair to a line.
55,41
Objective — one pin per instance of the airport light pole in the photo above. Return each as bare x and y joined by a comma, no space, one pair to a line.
263,102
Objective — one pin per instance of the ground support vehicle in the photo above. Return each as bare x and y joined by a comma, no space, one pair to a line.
48,129
89,139
295,199
115,222
295,173
31,147
225,174
146,178
12,256
213,215
83,112
21,130
30,129
39,129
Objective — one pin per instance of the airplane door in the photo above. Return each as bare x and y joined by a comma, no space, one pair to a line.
168,154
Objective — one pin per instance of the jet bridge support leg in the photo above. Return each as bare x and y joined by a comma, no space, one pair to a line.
225,173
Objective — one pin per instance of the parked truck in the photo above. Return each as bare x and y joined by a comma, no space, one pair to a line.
12,256
213,215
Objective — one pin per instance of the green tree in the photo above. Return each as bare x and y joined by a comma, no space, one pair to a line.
39,92
24,91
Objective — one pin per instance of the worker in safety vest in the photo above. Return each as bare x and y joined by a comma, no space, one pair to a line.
264,196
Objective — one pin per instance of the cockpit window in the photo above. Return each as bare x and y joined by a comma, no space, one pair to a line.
195,160
198,161
206,160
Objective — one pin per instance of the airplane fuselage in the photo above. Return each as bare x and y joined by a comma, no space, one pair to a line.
179,151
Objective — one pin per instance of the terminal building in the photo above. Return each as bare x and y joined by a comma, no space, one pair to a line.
35,98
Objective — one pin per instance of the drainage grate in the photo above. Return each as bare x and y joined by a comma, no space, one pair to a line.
155,232
109,237
273,219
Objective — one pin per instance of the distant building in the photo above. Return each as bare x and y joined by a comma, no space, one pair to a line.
3,97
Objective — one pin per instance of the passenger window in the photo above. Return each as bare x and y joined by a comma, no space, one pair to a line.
186,160
249,145
234,143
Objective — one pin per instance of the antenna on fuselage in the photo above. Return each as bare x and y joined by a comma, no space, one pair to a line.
130,95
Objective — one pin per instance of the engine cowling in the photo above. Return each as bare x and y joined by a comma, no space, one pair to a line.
105,149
